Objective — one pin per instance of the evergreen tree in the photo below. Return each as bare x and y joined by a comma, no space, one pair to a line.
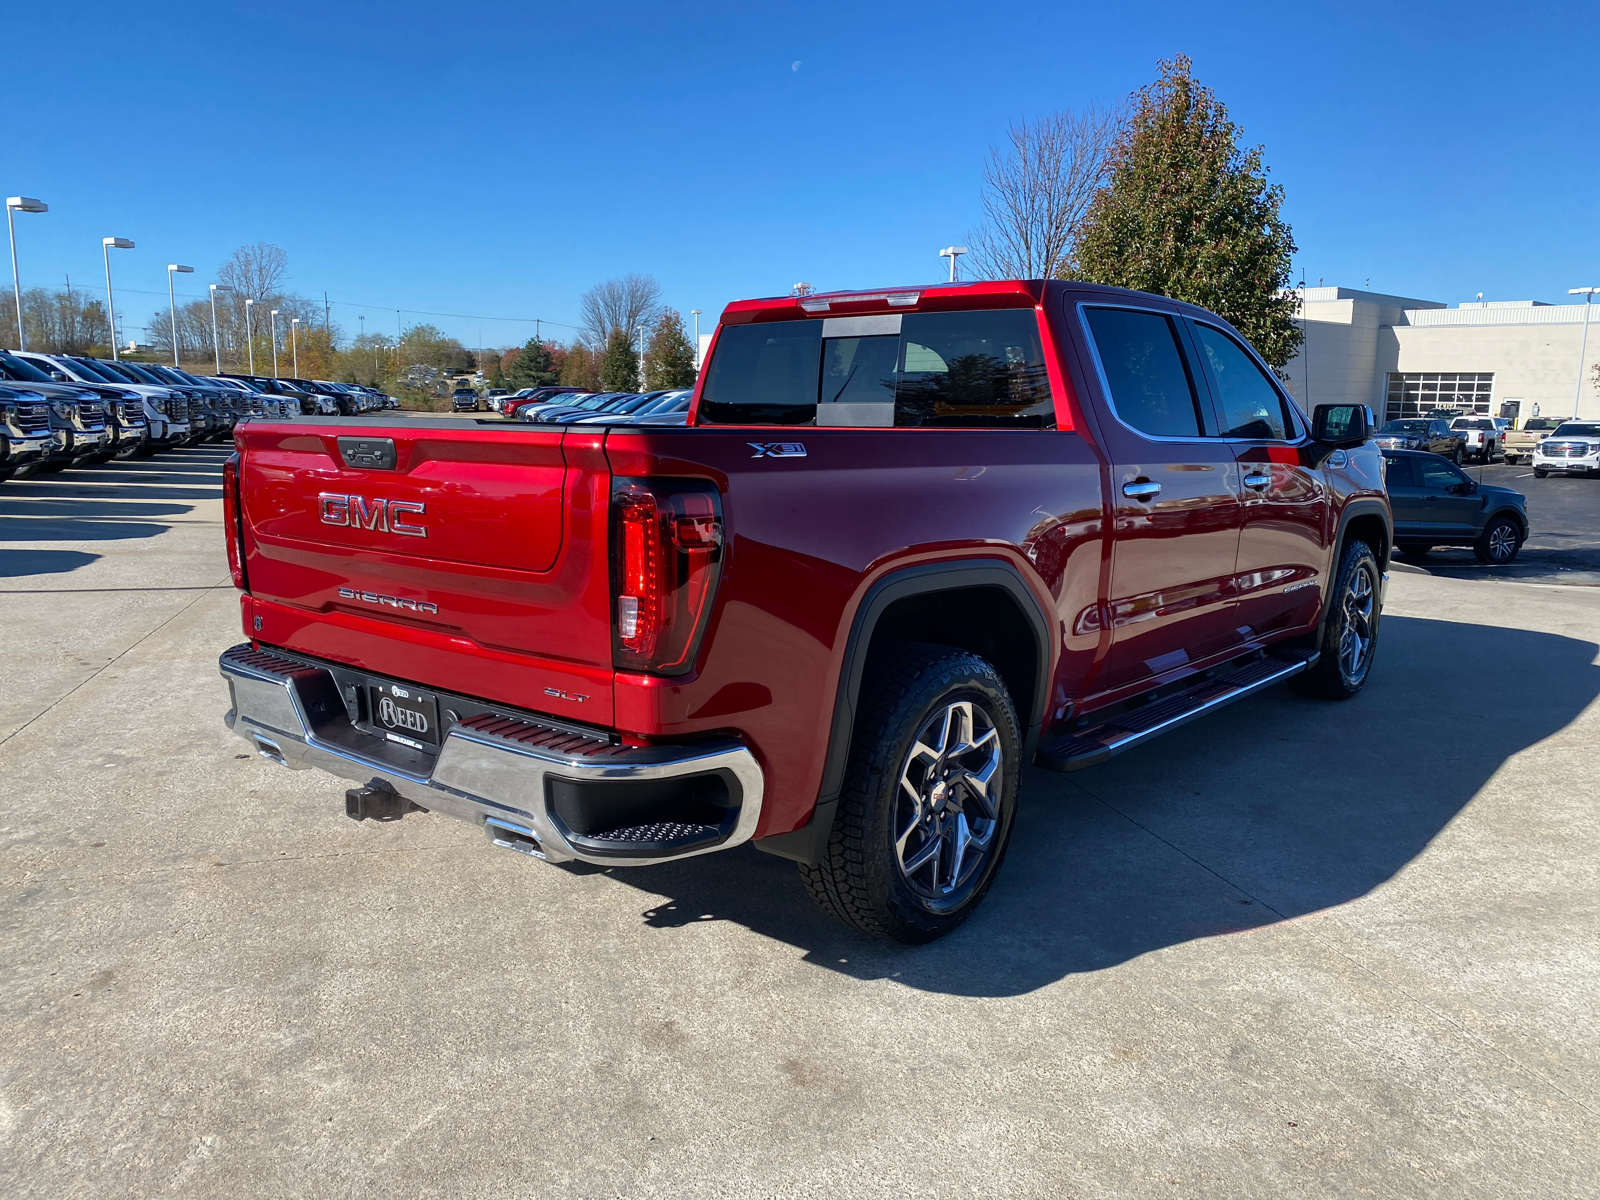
1190,215
580,368
619,364
668,359
532,367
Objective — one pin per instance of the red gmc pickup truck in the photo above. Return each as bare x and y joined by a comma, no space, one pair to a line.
909,540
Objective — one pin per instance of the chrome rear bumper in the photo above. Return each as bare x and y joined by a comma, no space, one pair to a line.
490,771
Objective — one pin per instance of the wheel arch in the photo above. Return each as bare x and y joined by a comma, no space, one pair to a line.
984,606
1365,520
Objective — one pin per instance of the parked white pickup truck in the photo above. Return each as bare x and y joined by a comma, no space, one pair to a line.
1482,434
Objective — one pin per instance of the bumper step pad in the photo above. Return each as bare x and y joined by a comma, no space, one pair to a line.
1093,744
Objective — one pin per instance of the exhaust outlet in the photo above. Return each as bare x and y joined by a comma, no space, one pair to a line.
513,837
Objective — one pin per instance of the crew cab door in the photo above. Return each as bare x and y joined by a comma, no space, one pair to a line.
1284,528
1175,500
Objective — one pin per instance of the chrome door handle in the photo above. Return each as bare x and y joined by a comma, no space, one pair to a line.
1258,482
1141,491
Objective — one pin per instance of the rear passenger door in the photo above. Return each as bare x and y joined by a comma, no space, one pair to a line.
1175,500
1284,526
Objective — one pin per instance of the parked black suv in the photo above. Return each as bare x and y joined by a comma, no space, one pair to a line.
1432,434
1435,503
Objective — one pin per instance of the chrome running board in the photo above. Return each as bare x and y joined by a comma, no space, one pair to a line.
1093,744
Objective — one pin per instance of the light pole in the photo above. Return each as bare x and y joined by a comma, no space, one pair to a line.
952,253
216,341
274,343
695,313
19,204
1588,294
172,304
250,334
107,245
640,328
294,341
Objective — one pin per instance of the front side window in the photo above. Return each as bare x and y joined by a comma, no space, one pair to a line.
1144,370
1251,406
1438,474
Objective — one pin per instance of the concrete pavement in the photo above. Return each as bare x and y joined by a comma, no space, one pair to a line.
1296,949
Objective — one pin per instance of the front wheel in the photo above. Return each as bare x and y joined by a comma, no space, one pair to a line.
1350,629
1538,473
1499,543
929,797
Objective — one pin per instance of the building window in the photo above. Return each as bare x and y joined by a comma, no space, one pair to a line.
1420,393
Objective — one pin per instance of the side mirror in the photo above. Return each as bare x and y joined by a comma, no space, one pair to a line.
60,377
1341,425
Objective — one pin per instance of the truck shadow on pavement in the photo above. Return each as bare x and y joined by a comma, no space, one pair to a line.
108,502
1277,807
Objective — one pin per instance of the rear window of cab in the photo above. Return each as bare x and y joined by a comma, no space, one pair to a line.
980,369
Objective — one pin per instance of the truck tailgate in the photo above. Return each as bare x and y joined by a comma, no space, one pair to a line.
476,562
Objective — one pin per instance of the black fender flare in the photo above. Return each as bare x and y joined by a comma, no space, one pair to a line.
807,843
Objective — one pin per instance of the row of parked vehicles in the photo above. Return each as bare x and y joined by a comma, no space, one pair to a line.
61,409
1550,444
575,406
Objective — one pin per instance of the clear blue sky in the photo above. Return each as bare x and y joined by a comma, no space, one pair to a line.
499,159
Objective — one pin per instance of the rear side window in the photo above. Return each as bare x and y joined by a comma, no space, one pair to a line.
1144,370
1251,406
1397,472
981,369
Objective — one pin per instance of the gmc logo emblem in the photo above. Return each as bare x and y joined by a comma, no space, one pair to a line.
386,516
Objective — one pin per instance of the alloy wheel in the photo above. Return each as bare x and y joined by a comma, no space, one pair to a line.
1355,640
1502,543
948,807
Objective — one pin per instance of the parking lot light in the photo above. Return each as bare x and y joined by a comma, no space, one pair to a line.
1588,294
16,204
107,245
294,341
695,312
249,335
274,343
952,253
172,305
216,342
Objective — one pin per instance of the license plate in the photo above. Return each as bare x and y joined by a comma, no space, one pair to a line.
405,715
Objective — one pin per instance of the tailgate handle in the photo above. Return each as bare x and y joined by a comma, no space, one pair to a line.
368,453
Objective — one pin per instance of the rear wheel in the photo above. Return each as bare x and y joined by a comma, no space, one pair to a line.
929,798
1540,473
1456,456
1499,542
1350,629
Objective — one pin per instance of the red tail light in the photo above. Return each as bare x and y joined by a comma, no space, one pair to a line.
232,521
666,558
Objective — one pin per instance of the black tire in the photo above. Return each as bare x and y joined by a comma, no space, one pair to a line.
1354,610
50,468
1456,456
1499,542
1539,474
863,879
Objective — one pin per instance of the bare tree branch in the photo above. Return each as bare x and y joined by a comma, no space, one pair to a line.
1037,193
624,303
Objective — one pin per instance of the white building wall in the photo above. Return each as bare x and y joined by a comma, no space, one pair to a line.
1355,339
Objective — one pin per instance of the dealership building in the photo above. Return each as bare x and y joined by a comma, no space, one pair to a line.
1407,357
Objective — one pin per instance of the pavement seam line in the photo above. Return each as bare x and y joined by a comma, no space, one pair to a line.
1442,1017
95,674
